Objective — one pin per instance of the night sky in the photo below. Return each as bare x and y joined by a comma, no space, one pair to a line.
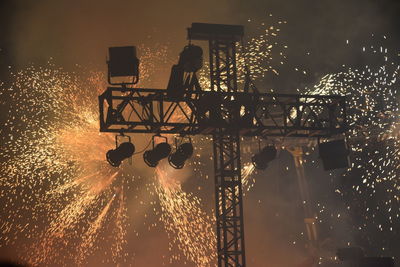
321,37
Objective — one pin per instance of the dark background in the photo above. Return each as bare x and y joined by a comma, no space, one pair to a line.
80,32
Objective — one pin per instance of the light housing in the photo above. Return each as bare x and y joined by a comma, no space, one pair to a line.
266,155
178,158
123,63
334,154
123,151
153,156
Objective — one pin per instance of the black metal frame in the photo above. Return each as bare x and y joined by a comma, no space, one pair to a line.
223,71
228,197
233,113
137,110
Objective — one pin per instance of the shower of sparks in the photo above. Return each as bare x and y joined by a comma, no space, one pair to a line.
52,126
51,153
372,98
90,235
153,60
190,228
59,191
257,56
120,231
248,181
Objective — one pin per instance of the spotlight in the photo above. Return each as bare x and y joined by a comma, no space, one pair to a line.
160,151
178,158
123,63
123,151
334,154
261,159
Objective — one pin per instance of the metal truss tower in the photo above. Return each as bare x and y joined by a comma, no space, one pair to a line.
226,113
227,168
228,199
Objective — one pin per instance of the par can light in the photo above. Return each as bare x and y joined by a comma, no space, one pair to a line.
178,158
123,151
160,151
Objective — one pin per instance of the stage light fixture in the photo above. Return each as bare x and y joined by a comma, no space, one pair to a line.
123,151
266,155
123,62
334,154
178,158
153,156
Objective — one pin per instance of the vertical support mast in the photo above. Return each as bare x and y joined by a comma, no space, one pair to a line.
228,198
223,71
228,181
227,167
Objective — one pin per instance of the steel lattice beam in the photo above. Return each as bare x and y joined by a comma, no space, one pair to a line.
152,111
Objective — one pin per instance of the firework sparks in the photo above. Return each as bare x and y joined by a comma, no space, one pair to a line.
255,56
247,180
187,225
373,117
51,146
89,237
52,127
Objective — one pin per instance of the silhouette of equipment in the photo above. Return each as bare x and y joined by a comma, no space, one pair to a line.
160,151
261,159
123,63
334,154
183,77
224,111
191,58
178,158
123,151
